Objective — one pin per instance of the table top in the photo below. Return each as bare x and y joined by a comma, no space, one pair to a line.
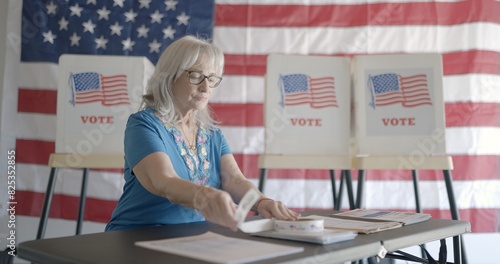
118,246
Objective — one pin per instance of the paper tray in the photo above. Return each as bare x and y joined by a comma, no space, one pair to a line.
327,236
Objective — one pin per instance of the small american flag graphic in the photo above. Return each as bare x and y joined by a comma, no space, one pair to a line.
299,89
391,88
92,87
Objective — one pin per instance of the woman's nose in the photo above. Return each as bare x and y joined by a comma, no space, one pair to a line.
204,86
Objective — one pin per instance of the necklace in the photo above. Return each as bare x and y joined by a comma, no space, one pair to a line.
191,147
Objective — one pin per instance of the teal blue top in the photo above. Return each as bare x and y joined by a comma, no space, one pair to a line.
146,133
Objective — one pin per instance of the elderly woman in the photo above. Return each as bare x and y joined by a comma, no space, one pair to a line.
178,165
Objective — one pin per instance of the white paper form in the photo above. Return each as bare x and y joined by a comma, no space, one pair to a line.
405,217
216,248
360,226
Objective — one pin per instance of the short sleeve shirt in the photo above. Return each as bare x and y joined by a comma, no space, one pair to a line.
145,134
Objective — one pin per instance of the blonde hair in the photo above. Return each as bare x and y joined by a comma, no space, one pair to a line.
179,56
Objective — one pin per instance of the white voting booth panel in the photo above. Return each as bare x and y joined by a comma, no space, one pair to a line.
96,94
399,107
399,119
307,107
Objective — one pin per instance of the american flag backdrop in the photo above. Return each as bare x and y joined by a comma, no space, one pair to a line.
465,32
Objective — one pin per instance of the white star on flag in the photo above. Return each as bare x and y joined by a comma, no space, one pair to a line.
101,42
170,4
156,17
183,19
168,32
103,13
154,46
63,24
144,3
118,3
75,40
130,16
51,9
128,44
142,31
49,37
116,29
88,26
76,10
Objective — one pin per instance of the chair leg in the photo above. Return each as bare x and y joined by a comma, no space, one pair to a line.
262,179
341,190
418,209
349,188
414,174
334,189
46,203
83,196
359,192
453,209
451,195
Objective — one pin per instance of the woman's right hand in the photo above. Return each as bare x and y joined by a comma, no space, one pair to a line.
269,208
216,206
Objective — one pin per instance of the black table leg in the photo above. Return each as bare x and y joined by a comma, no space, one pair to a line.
458,254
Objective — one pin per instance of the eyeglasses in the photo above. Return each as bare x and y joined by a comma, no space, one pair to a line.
196,78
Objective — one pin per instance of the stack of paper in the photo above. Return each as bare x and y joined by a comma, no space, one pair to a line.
406,218
216,248
370,221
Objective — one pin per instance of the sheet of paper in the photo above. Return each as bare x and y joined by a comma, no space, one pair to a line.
355,225
245,205
216,248
405,217
327,236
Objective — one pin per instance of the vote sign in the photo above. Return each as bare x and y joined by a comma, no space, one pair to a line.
399,107
307,105
95,96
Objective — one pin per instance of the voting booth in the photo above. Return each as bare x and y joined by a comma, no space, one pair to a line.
399,119
306,114
95,96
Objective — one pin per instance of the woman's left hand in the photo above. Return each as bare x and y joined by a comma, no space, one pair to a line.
269,208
